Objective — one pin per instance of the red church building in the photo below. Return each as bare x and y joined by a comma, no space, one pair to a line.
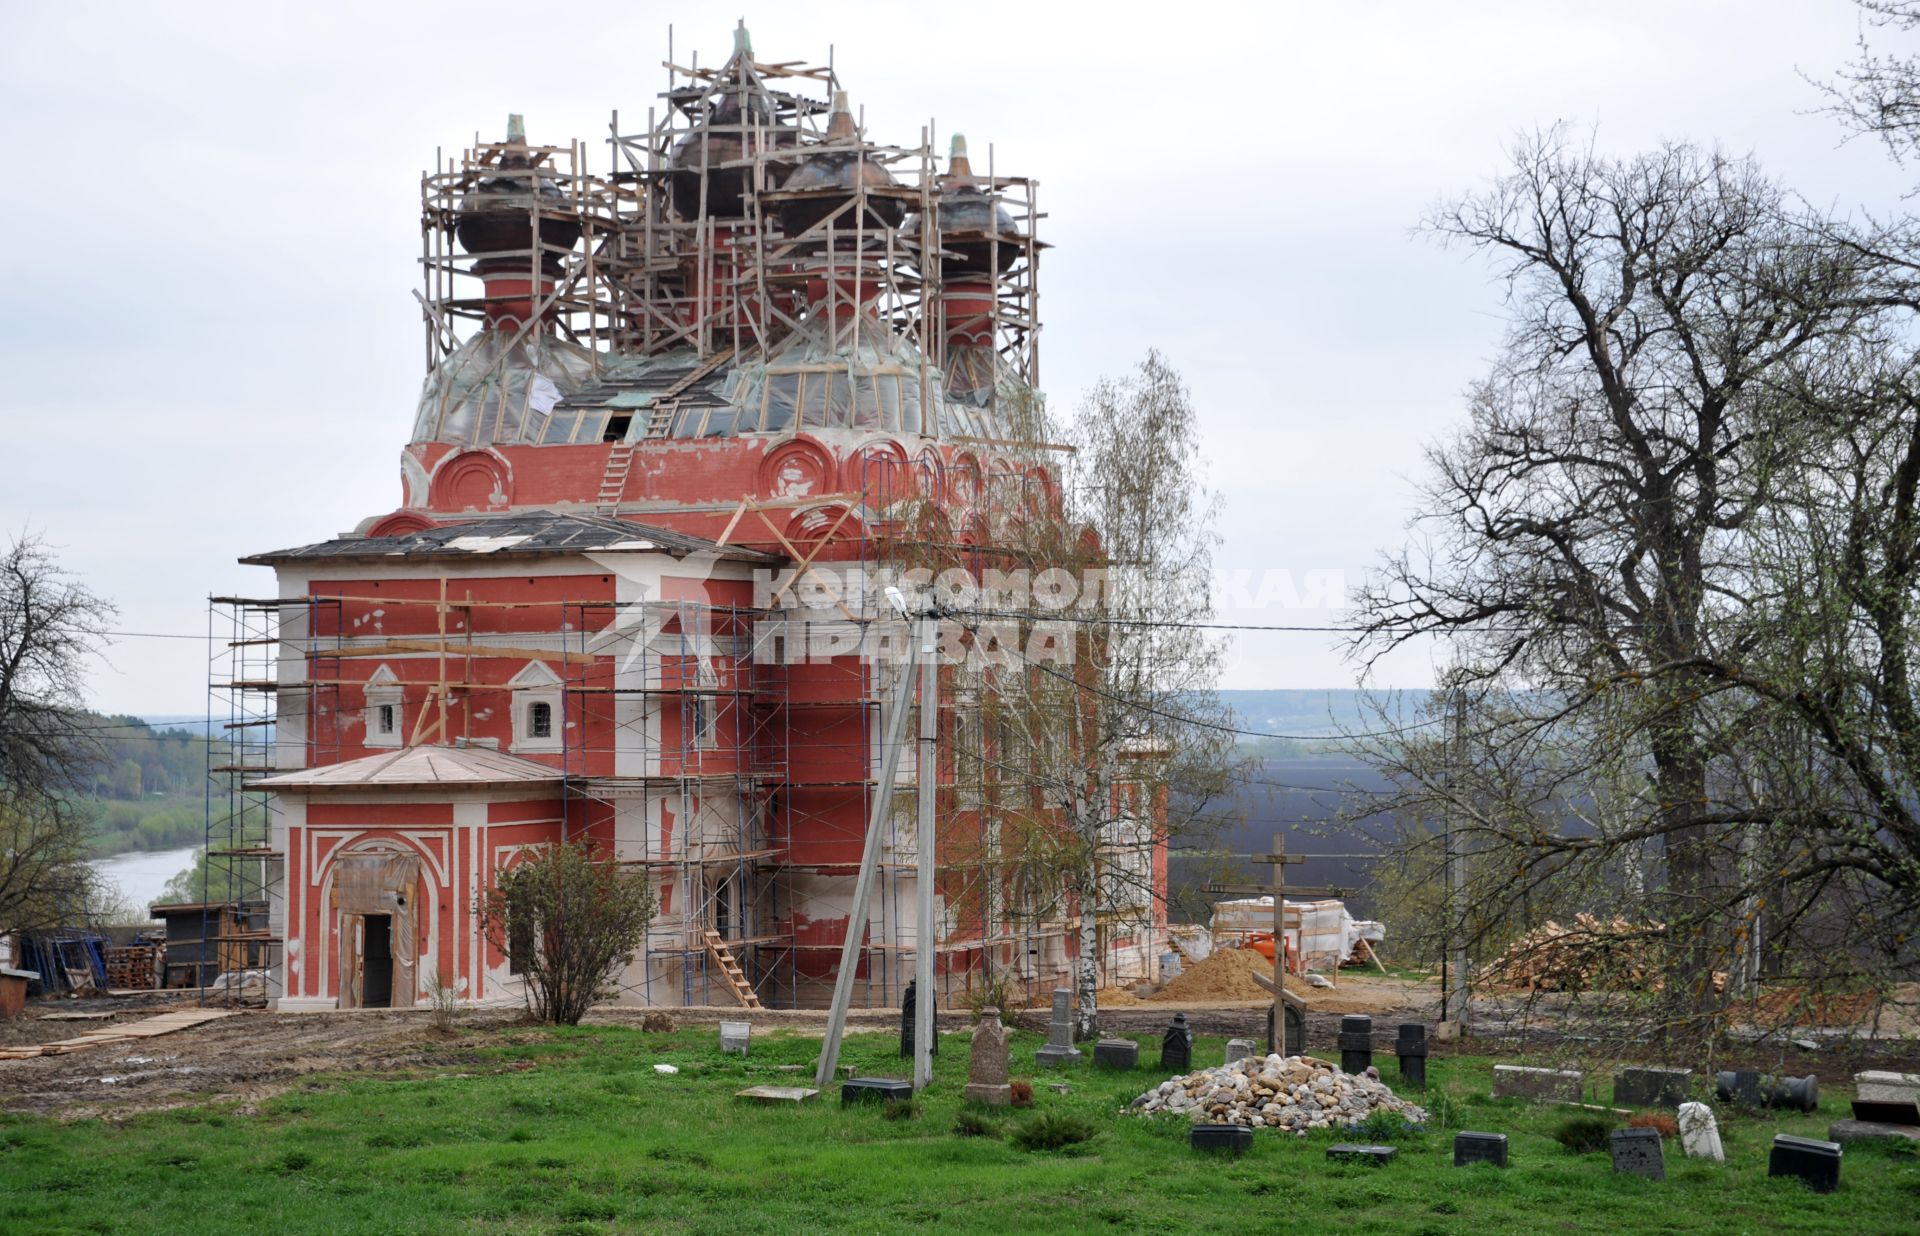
678,415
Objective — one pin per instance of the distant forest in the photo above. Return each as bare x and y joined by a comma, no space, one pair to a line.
149,786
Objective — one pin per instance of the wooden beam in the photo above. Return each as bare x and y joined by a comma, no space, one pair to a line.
387,647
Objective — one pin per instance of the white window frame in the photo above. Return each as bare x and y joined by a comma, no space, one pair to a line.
537,684
385,690
705,713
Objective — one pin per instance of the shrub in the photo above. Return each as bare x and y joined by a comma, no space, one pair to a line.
446,998
1583,1134
1384,1126
1053,1131
899,1109
1444,1108
568,922
990,993
1668,1126
972,1124
1022,1093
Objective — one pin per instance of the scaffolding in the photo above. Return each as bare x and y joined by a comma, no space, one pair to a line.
260,720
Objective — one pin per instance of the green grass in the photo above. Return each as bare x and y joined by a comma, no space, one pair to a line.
591,1139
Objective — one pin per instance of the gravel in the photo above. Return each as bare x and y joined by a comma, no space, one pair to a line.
1295,1093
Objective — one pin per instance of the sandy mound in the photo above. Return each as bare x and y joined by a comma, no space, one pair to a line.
1225,975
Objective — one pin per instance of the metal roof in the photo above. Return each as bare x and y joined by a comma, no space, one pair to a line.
523,534
453,767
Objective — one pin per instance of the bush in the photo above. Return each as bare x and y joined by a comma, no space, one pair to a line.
1583,1134
568,922
1384,1126
972,1124
899,1109
1668,1126
1022,1093
1444,1109
990,993
1053,1131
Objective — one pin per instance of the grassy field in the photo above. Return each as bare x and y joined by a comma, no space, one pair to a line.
535,1130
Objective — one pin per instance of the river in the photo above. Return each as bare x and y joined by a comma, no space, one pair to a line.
142,874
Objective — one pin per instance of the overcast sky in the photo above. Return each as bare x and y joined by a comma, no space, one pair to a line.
210,233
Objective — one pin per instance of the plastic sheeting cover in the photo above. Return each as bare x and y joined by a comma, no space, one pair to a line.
491,391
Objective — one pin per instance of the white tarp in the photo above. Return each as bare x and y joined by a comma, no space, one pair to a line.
1321,933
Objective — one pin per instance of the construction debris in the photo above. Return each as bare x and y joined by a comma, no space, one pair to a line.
165,1023
1227,974
1613,955
1295,1093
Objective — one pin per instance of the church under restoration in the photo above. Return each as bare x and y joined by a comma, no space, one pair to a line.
675,412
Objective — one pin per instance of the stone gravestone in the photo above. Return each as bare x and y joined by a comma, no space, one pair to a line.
1356,1043
1176,1046
1510,1080
1651,1087
735,1035
909,1011
1116,1054
1809,1158
1059,1049
1700,1133
1637,1152
1470,1148
1296,1040
1411,1047
987,1066
1239,1049
1351,1152
1749,1089
1881,1086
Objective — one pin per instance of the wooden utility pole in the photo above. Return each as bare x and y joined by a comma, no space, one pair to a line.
1453,986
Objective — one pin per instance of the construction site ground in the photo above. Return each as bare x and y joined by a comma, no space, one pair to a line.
248,1058
378,1122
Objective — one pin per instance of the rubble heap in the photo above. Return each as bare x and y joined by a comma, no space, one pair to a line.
1591,955
1296,1093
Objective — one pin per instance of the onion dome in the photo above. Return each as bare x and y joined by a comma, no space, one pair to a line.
495,221
742,123
972,220
831,173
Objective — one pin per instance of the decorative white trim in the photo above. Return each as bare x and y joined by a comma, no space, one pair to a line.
535,687
386,713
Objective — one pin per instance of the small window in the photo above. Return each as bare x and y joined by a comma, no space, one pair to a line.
540,720
384,715
702,721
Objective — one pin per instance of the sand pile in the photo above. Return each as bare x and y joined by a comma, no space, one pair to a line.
1225,975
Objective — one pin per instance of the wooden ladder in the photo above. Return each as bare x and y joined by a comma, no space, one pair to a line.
730,970
613,482
660,420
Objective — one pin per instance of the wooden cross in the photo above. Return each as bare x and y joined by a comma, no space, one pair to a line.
1279,860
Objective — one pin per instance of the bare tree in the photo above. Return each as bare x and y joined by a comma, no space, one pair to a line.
1091,732
49,625
1584,542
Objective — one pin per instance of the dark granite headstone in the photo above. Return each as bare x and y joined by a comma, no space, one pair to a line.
1411,1047
1176,1046
1651,1087
1809,1158
1296,1032
1356,1043
1349,1152
909,1011
1235,1139
875,1090
1637,1152
1751,1089
1116,1054
1882,1112
1469,1148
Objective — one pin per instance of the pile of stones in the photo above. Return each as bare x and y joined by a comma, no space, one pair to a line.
1296,1093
